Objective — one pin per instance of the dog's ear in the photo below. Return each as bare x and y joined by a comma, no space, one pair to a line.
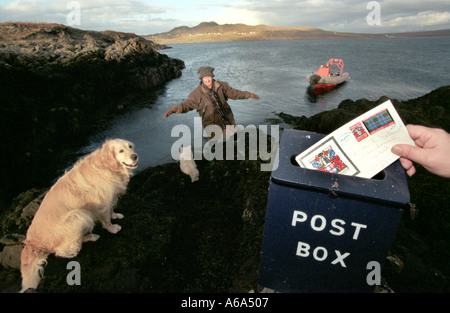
109,156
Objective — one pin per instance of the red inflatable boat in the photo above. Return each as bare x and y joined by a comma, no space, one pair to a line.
328,76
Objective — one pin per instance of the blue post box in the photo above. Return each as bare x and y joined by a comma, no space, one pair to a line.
327,232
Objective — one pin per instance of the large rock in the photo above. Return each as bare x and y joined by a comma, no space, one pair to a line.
58,86
42,48
10,256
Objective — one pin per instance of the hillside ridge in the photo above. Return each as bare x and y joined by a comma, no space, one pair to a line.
212,31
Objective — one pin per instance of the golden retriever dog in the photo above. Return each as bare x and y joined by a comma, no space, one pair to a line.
82,196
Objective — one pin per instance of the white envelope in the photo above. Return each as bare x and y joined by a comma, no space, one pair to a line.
361,147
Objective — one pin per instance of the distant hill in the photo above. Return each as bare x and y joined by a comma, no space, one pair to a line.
211,31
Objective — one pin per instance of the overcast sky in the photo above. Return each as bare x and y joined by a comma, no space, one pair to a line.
145,17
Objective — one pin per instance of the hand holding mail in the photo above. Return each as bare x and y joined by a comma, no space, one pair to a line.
432,150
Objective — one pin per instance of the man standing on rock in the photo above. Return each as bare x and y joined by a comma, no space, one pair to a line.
210,101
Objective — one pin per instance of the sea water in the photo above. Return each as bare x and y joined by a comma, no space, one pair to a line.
400,68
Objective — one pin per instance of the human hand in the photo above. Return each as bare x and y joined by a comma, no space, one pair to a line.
170,111
254,96
432,150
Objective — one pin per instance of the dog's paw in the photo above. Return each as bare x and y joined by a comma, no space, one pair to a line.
114,228
91,237
115,216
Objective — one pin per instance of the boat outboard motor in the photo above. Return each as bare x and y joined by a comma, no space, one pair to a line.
314,79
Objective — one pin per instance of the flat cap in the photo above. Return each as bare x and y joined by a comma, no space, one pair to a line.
205,71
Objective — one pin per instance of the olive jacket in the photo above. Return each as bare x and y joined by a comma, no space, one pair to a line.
200,101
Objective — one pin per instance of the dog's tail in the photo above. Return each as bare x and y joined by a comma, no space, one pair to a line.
32,266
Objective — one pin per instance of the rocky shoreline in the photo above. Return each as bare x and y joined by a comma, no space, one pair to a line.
59,84
206,236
